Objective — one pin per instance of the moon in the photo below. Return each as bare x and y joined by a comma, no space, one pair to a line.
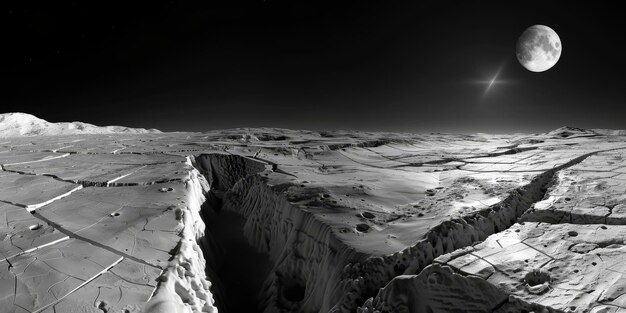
538,48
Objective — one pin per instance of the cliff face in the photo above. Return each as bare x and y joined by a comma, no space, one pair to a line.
309,260
183,284
316,271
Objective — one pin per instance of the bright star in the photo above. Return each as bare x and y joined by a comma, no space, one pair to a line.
492,82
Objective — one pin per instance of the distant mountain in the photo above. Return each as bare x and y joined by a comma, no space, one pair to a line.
23,124
568,131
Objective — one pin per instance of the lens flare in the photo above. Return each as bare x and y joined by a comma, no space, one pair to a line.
491,84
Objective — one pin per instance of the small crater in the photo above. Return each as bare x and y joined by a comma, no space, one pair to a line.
169,189
114,214
368,215
103,306
572,233
537,281
34,227
537,277
583,247
362,227
603,227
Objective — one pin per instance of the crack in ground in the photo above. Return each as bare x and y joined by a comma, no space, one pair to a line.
435,162
455,159
31,249
95,243
40,160
520,201
558,217
448,236
443,238
106,269
33,207
110,183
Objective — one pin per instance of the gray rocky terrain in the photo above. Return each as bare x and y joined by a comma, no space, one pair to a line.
276,220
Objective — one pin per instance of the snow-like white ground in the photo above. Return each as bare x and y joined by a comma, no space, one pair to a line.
275,220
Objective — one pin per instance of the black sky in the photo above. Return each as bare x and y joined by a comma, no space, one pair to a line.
386,65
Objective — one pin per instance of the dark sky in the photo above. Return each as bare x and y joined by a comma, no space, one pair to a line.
386,65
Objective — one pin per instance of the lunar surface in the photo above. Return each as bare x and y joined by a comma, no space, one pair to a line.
538,48
277,220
